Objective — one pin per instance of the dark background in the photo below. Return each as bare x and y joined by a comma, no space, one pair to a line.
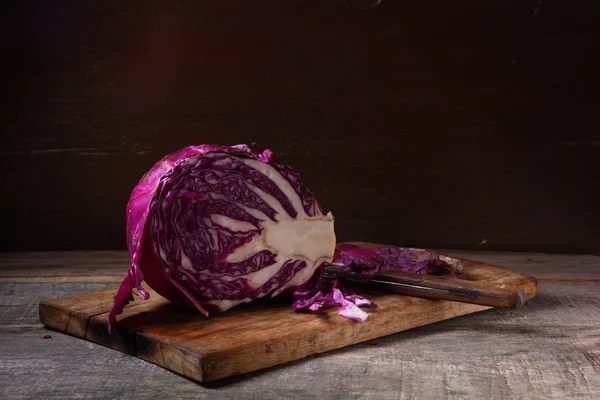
456,124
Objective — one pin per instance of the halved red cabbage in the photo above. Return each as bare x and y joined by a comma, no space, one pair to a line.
210,227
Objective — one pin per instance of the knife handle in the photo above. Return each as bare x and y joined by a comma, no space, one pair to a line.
434,287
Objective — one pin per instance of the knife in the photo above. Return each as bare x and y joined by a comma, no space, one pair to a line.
431,287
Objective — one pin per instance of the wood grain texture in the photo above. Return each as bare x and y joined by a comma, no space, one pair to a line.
546,350
255,336
422,124
91,265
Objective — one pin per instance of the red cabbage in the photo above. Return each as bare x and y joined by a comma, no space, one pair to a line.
210,227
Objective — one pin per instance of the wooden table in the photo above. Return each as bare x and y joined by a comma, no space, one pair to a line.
548,349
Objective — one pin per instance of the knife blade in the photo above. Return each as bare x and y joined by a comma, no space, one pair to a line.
431,287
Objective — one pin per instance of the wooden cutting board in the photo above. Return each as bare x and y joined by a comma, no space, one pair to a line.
253,336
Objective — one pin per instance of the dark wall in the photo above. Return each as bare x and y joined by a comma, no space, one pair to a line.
466,124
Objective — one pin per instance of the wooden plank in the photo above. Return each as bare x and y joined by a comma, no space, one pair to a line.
110,266
71,314
66,266
547,349
544,266
255,336
62,261
63,279
19,302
